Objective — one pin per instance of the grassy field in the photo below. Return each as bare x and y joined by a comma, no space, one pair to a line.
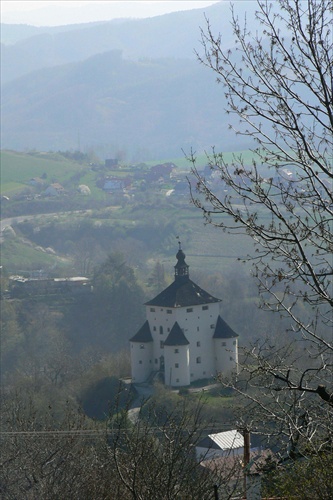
16,255
201,160
18,168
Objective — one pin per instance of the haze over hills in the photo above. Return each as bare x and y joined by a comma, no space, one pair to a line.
129,85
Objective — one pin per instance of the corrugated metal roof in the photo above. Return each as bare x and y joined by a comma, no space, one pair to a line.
228,440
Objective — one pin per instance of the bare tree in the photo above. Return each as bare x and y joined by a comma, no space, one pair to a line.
155,456
278,84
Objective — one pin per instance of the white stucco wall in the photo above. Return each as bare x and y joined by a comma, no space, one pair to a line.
141,361
226,354
198,324
177,365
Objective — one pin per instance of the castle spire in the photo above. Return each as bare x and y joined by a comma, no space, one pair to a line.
181,268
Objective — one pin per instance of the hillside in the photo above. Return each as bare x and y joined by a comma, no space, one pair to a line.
132,88
147,109
170,35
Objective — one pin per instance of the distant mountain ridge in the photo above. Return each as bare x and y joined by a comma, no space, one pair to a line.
130,85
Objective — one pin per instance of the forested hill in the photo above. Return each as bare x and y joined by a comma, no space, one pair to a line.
148,109
133,86
28,48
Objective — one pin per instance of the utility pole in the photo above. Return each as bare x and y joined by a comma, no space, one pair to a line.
246,435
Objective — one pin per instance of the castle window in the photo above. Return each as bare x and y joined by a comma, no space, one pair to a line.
154,328
169,311
162,344
198,344
198,328
224,344
152,309
142,346
189,310
234,342
176,365
140,362
199,359
177,379
204,308
176,351
168,329
212,326
161,330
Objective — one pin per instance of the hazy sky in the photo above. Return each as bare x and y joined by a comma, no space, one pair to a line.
60,12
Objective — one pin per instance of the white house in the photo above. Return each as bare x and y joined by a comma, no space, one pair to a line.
184,337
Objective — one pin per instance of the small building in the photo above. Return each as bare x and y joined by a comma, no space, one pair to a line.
111,163
112,185
222,444
54,189
184,338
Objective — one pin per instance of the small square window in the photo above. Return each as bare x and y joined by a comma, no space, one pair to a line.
169,311
152,309
231,358
177,379
140,362
189,310
142,346
204,308
234,342
176,365
162,344
212,326
198,344
154,328
224,344
176,351
168,329
199,359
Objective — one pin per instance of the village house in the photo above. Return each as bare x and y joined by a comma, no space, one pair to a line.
54,189
184,338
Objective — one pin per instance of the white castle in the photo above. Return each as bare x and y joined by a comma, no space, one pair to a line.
184,337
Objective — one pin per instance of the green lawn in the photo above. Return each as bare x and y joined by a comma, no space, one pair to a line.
18,168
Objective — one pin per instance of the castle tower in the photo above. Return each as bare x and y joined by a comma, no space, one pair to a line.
184,337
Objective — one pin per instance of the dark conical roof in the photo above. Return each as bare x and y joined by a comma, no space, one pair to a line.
176,336
143,335
223,330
